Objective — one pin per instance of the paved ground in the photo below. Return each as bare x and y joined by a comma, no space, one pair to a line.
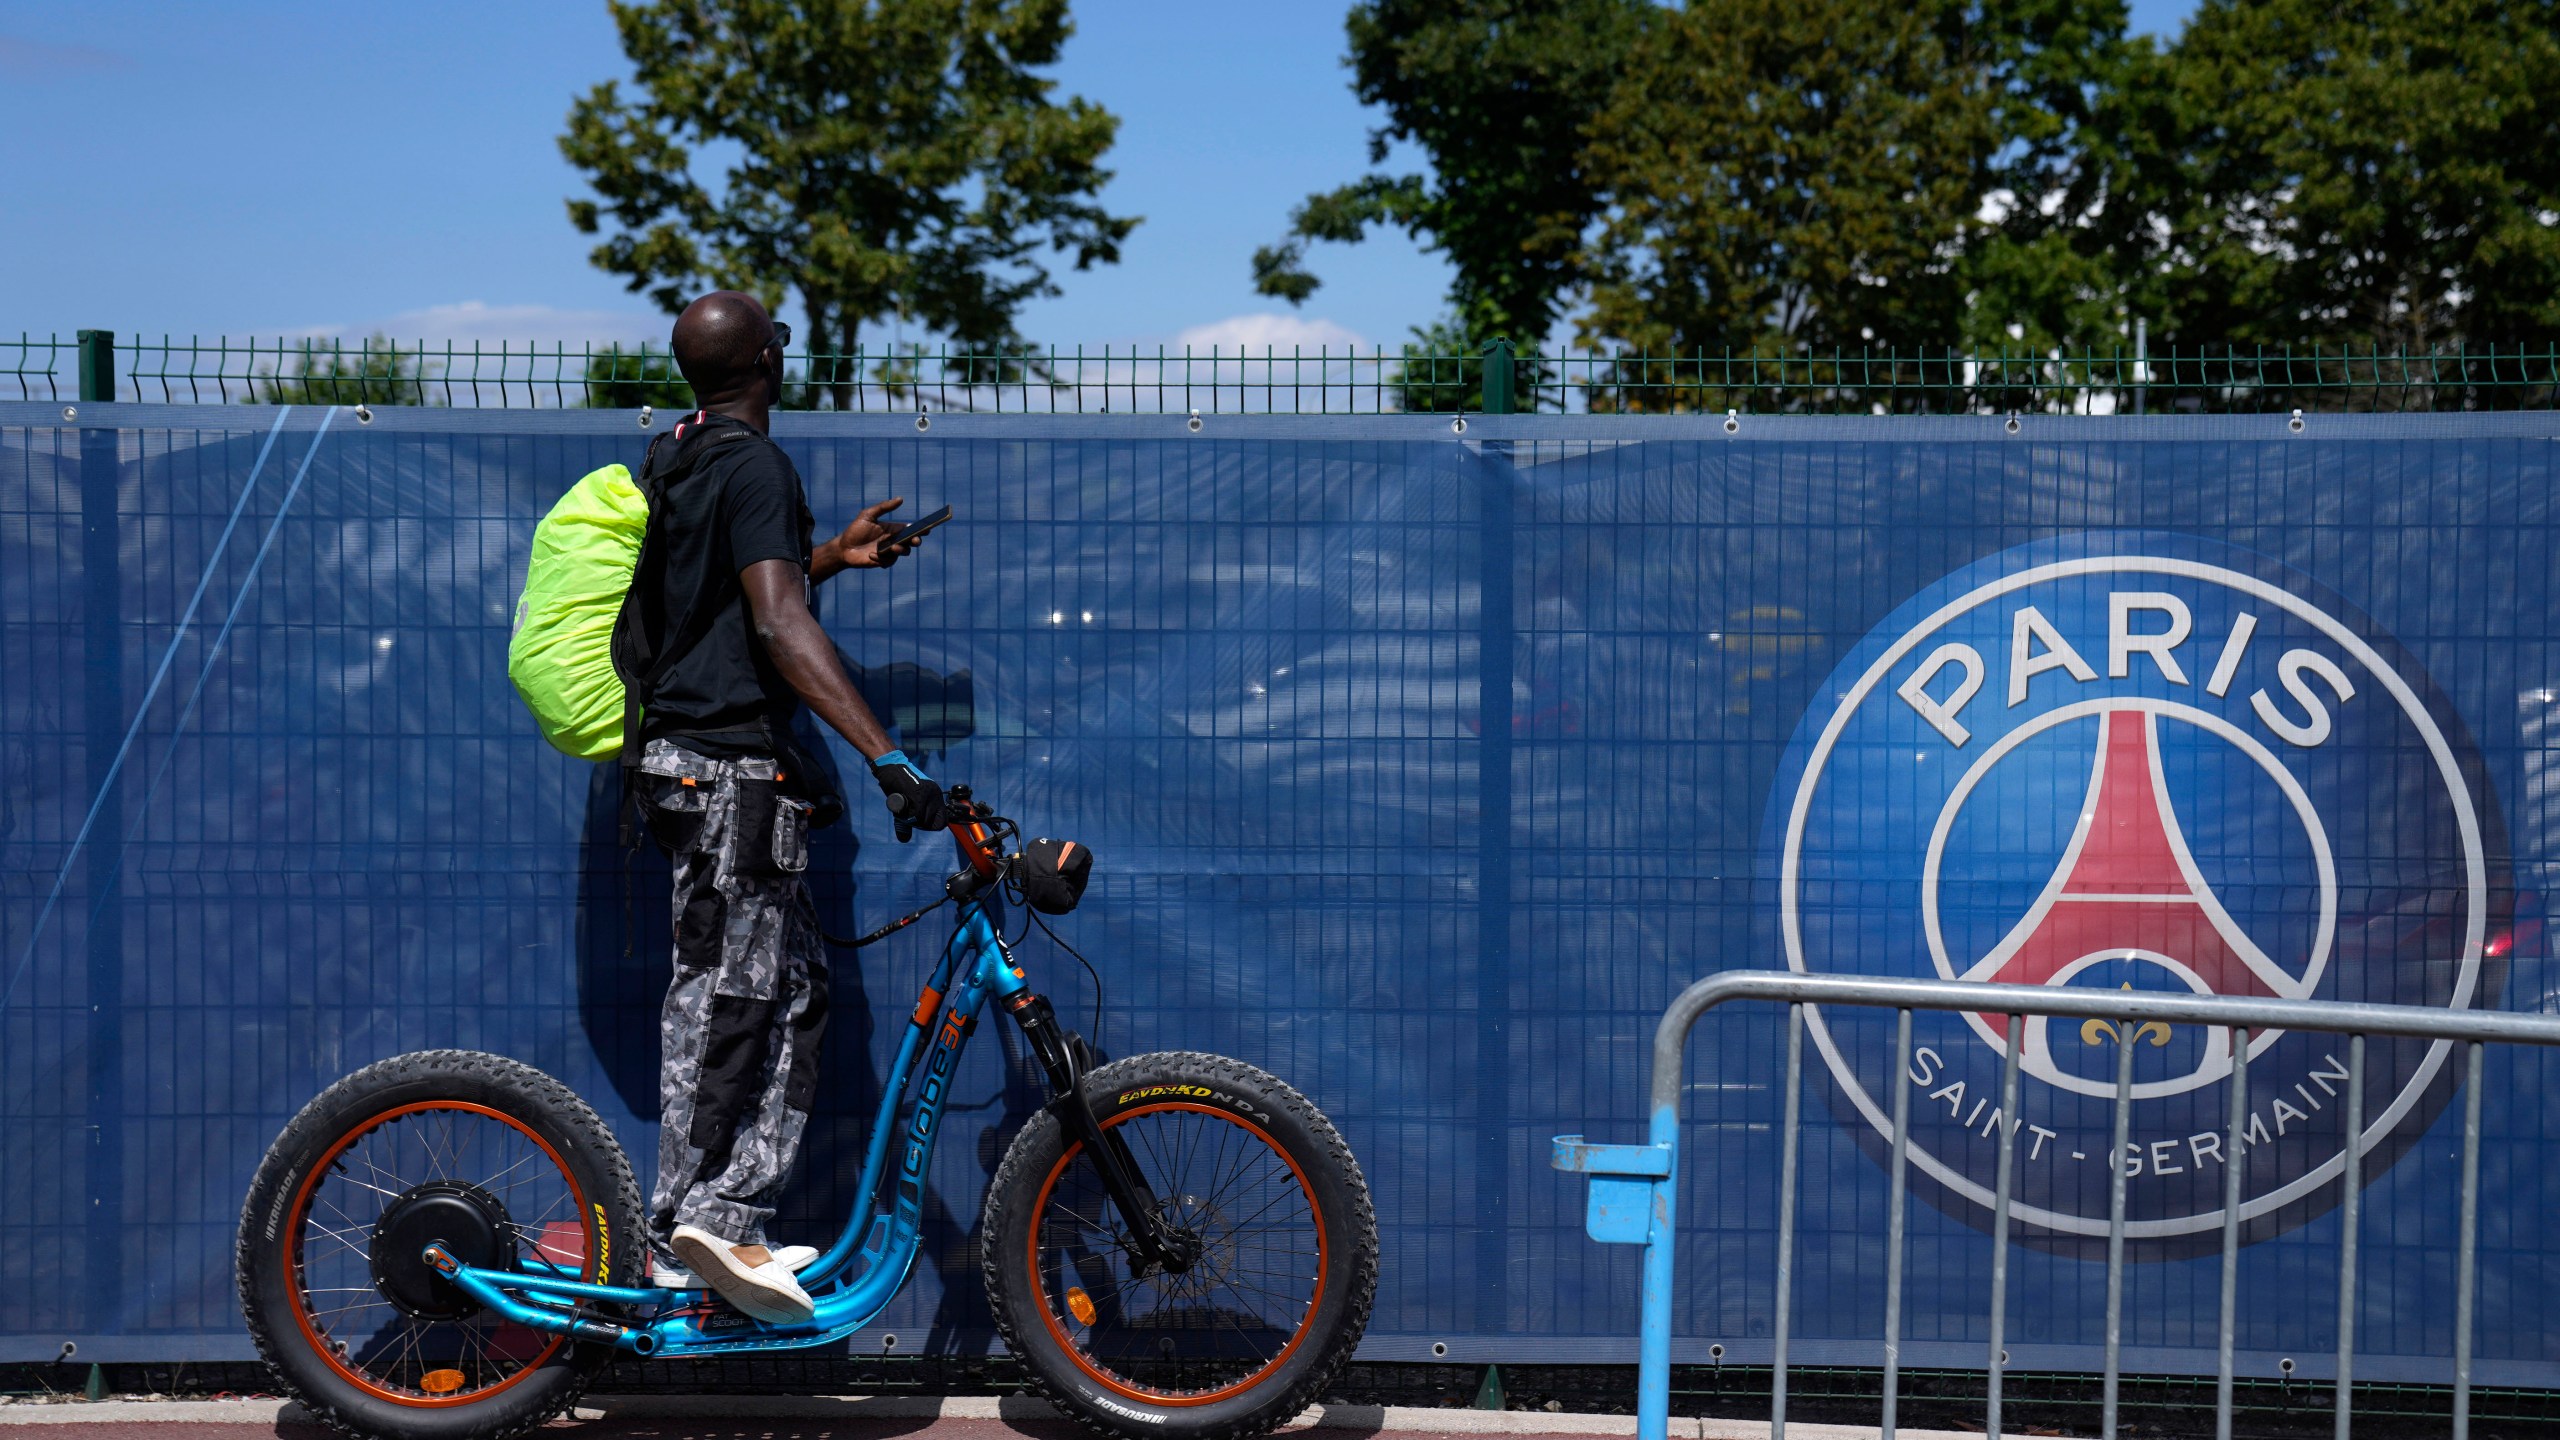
707,1417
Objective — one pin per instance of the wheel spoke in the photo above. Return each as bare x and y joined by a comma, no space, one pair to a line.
346,1237
491,1183
374,1304
1258,1214
1237,1310
390,1178
376,1189
375,1342
410,1335
1280,1295
349,1247
440,1155
1096,1226
1211,1202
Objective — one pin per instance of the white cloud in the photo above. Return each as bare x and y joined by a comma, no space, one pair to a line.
477,321
1243,363
1277,332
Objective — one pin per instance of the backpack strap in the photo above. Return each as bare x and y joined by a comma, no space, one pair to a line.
641,661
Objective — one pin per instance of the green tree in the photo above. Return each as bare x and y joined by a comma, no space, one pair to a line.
1789,176
619,379
887,156
1499,95
2380,174
324,372
1442,370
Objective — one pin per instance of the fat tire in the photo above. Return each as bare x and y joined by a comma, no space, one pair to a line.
548,1107
1351,1229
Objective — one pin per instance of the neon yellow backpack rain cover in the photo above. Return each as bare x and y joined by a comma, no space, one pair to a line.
561,655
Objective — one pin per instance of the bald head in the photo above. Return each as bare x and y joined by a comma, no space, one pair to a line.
719,342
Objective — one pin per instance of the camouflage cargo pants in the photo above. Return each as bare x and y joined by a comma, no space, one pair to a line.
738,1038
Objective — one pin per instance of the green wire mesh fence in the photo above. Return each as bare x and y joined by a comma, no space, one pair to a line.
31,369
1294,381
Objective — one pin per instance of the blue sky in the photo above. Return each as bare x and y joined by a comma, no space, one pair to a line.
264,167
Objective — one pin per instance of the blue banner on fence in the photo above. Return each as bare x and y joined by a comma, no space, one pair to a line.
1423,767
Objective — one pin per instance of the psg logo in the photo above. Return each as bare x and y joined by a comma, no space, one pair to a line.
2137,762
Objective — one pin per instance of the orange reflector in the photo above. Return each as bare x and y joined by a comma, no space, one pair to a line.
1080,1305
440,1382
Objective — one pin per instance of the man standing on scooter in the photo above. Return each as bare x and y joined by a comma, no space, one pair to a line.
721,601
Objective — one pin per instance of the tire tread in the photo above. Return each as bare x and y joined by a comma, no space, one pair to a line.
323,1120
1361,1276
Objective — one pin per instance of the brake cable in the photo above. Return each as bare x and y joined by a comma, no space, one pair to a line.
885,931
999,830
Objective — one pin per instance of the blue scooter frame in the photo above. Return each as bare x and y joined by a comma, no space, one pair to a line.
858,1277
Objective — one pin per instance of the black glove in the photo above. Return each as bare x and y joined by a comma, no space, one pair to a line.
915,802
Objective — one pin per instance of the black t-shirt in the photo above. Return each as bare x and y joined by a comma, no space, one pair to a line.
731,499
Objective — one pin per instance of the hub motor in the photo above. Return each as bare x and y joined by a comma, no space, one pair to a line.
466,1220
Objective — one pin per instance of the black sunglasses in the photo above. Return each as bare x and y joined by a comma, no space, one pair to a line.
781,335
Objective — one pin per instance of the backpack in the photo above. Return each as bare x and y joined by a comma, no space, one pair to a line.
561,654
581,673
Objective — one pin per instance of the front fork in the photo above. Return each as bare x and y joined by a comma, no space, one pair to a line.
1159,1244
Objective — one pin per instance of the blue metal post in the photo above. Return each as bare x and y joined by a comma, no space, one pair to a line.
1621,1213
1634,1201
1653,1343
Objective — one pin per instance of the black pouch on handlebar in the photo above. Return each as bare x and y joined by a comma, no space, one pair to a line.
1053,875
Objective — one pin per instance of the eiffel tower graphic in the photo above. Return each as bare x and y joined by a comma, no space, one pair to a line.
2128,888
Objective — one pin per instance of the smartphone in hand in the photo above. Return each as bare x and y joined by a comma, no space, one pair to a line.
920,528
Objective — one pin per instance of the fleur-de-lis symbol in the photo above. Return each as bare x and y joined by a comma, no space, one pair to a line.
2099,1032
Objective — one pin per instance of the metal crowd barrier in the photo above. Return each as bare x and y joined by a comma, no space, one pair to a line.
1633,1187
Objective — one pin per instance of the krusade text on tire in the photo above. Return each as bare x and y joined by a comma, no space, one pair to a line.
484,1153
1241,1340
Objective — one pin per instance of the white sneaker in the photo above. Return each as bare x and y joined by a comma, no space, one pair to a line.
747,1276
794,1258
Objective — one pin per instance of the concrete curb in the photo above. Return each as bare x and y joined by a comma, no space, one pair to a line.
1329,1419
143,1412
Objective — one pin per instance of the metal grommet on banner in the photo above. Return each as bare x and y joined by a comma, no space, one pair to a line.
924,422
2295,424
70,412
648,416
888,1342
2012,426
1458,426
364,414
1438,1349
1193,424
1732,422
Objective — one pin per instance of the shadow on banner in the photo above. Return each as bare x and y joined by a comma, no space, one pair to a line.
1421,770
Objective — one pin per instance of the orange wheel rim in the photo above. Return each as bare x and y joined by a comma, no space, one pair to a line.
1121,1385
442,1386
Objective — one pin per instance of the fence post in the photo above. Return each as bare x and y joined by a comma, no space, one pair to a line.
1500,370
103,639
97,365
2141,366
